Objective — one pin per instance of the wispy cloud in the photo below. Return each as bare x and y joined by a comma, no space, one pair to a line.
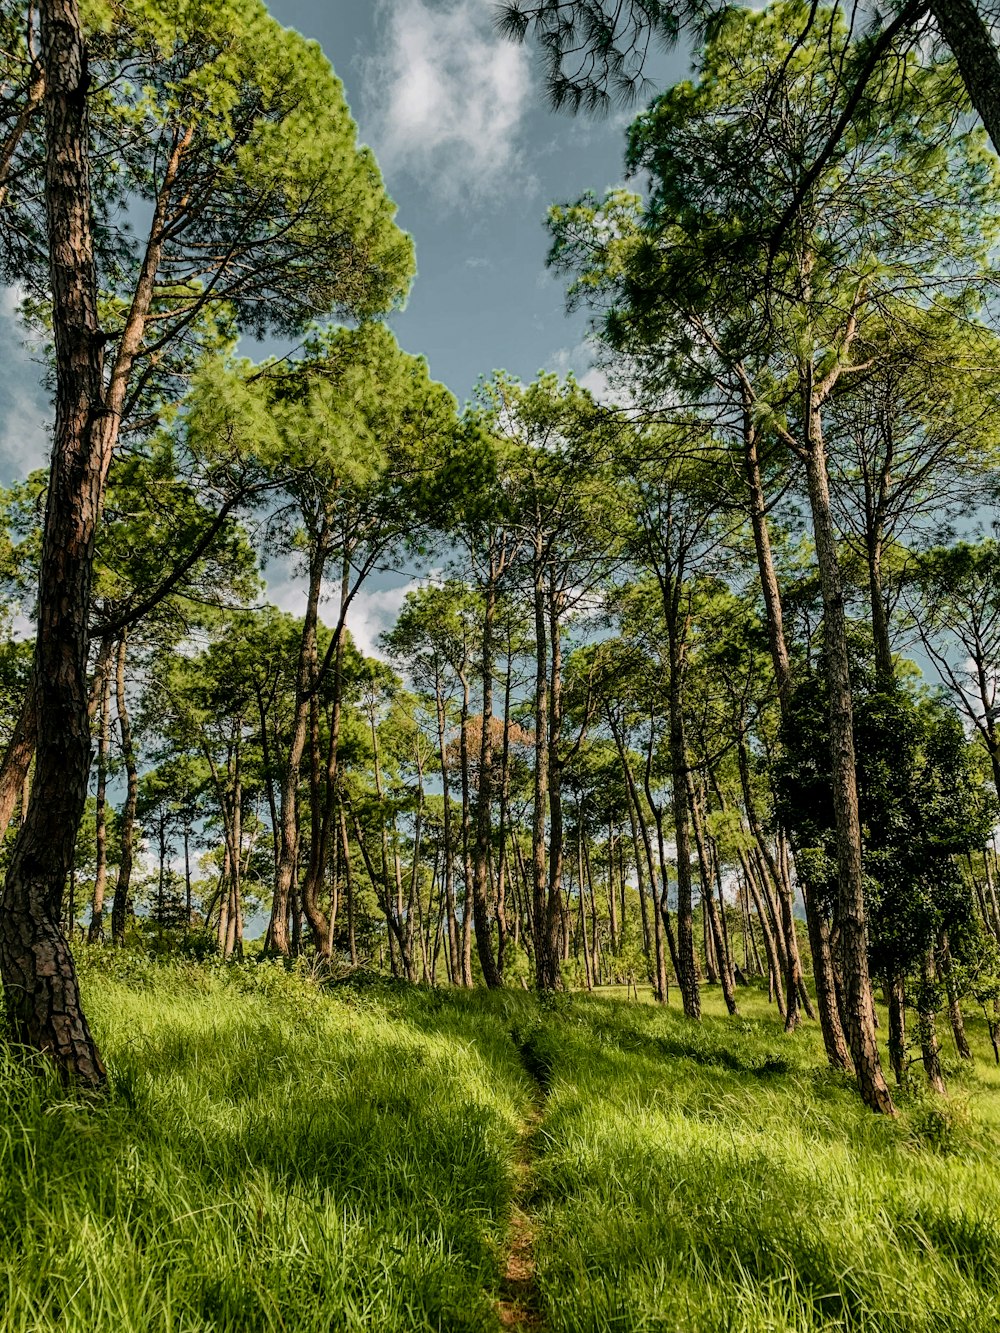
581,361
373,611
448,98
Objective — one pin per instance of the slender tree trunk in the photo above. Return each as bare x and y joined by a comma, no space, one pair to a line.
929,1049
711,912
947,969
612,897
449,841
770,947
688,974
826,987
349,883
896,999
95,931
546,967
123,884
484,803
503,875
658,967
187,875
276,940
467,873
556,913
858,1004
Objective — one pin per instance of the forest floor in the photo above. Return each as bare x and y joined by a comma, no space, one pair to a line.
273,1156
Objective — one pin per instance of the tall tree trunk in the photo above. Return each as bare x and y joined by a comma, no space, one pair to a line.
503,875
858,1004
484,803
467,873
95,931
688,975
612,898
770,946
276,940
41,993
349,884
784,920
449,840
947,969
557,929
123,883
929,1049
658,968
896,999
546,966
711,912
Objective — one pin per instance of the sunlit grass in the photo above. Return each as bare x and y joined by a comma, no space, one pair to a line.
719,1178
273,1156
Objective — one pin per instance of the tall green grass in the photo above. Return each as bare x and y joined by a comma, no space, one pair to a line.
271,1157
718,1178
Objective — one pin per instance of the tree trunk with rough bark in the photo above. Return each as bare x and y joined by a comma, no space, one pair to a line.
41,993
964,28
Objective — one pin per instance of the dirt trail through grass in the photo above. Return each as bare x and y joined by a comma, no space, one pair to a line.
519,1304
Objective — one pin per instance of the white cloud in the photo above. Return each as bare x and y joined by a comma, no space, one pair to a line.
580,362
373,612
25,411
448,98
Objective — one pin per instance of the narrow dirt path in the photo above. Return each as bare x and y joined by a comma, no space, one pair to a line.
518,1305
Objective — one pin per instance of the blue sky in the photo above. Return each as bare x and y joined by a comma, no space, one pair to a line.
472,156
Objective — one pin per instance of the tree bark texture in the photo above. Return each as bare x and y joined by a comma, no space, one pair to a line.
41,993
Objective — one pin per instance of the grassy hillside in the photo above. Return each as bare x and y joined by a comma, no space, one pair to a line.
276,1157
